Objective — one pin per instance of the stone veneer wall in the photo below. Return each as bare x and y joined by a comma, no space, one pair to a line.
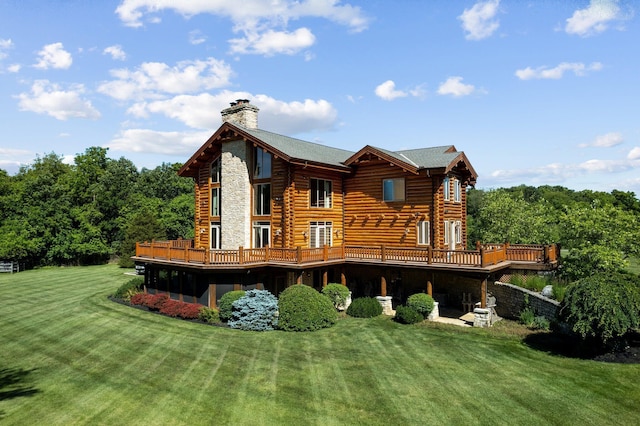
236,196
510,301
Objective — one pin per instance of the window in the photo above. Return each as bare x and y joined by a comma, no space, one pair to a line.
261,234
215,201
215,235
262,199
447,189
458,232
262,166
457,188
423,232
447,231
320,193
320,234
393,189
215,171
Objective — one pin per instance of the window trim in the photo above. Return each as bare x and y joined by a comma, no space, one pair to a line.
218,191
260,169
261,206
212,226
423,228
457,191
327,199
446,188
314,237
259,225
217,165
394,196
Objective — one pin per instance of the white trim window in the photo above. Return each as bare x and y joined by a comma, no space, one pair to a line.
457,190
215,235
393,189
446,184
320,234
424,228
321,191
447,231
458,232
261,234
262,199
215,201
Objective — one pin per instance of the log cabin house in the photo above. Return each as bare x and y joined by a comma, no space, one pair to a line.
272,211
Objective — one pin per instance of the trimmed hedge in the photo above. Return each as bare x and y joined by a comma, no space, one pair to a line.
421,303
257,310
304,309
364,307
225,305
407,315
337,294
161,302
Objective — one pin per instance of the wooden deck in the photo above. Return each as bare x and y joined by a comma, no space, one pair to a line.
486,257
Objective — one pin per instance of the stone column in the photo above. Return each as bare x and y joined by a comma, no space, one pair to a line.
235,214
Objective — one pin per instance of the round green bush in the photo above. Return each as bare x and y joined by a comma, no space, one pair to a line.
421,303
225,305
364,307
407,315
337,294
208,315
304,309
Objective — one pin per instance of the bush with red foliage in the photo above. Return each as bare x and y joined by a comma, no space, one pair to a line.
165,305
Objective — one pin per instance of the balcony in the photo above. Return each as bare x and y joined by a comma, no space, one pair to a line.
485,257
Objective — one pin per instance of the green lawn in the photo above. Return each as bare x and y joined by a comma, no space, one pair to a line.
68,355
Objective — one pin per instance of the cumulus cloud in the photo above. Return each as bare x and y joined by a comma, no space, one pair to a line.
272,42
559,172
116,52
276,115
14,68
388,91
49,98
262,23
480,21
557,72
5,45
157,142
54,56
455,87
595,18
154,79
196,37
605,141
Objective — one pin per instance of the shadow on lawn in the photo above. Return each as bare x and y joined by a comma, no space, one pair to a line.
14,383
570,346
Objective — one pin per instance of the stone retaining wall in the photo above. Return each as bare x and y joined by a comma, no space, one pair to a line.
510,301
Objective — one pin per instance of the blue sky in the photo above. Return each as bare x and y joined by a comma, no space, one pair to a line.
534,92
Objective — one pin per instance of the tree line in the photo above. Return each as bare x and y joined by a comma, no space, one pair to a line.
53,213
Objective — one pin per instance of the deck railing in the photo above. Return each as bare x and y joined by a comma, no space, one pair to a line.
486,255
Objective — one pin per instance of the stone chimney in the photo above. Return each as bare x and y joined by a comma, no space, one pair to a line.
241,112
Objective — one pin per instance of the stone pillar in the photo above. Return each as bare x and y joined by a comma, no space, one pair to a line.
481,317
387,307
235,198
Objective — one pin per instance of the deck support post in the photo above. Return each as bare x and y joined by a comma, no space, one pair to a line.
212,296
343,278
483,293
324,278
383,286
429,288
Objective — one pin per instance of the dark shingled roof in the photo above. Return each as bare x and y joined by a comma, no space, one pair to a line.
425,158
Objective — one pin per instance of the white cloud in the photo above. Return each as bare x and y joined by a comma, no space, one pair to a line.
480,21
605,141
557,72
156,142
455,87
199,111
262,22
388,92
634,154
54,56
4,46
152,79
594,19
48,98
272,42
196,37
14,68
116,52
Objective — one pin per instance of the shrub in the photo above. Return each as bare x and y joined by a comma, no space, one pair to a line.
337,294
541,323
421,303
364,307
527,316
603,307
301,308
128,289
257,310
208,315
155,301
140,299
225,306
407,315
558,292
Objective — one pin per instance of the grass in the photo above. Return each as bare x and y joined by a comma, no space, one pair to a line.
68,355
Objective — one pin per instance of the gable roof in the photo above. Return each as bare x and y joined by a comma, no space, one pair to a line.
441,159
